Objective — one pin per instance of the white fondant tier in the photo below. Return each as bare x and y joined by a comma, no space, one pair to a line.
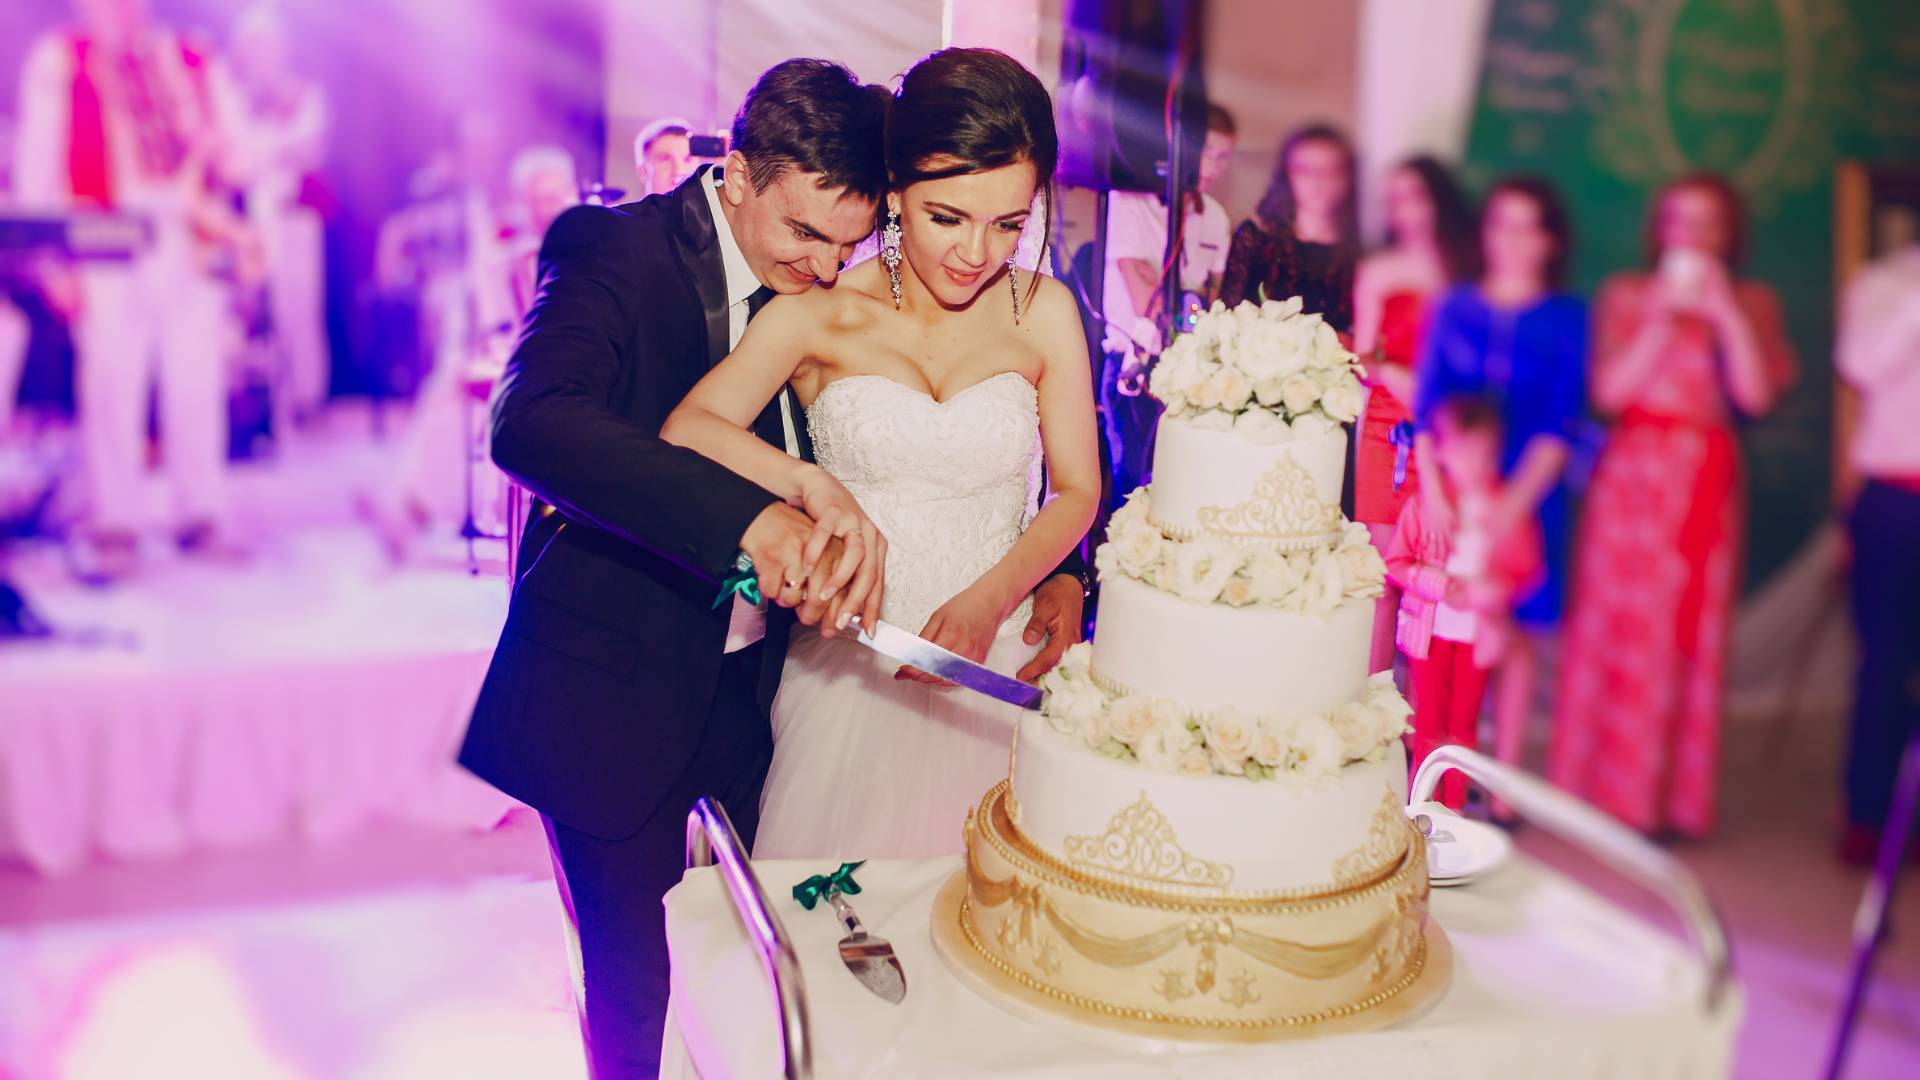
1281,835
1258,660
1226,484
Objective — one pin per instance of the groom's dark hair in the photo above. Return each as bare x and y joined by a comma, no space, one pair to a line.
814,116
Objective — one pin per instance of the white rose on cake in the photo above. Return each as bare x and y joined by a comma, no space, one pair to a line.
1279,309
1262,428
1229,741
1358,726
1074,706
1274,579
1314,751
1239,591
1299,393
1163,748
1361,568
1271,738
1137,546
1201,569
1229,389
1313,425
1344,401
1131,718
1325,586
1212,420
1390,709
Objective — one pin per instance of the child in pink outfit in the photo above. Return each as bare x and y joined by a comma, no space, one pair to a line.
1456,610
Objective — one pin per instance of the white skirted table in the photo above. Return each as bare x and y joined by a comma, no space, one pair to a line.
1548,980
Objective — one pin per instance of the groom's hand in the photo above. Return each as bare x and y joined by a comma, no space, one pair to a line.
776,541
1057,607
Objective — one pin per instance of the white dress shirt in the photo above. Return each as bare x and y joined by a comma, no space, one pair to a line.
1879,354
749,621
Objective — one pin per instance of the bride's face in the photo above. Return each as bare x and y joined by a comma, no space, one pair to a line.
958,233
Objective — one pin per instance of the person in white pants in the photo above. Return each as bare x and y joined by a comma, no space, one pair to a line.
123,115
285,120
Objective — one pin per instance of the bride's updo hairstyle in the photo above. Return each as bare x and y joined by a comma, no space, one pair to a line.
964,111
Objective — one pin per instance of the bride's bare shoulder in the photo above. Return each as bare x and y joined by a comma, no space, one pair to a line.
853,300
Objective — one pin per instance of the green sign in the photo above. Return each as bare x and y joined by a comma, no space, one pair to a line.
1609,98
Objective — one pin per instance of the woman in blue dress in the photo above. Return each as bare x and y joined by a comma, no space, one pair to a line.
1517,337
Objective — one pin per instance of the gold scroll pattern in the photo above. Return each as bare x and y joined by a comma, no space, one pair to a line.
1140,842
1385,844
1285,505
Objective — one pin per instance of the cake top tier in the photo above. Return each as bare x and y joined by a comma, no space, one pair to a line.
1259,366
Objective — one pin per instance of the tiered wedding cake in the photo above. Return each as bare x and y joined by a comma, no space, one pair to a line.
1202,831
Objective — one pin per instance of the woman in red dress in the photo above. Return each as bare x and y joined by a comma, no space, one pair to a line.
1679,353
1429,247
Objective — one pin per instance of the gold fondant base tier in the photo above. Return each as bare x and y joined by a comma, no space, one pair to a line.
1021,925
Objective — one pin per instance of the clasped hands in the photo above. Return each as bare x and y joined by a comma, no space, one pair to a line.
826,559
823,557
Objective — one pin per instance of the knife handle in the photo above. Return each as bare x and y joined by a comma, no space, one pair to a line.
845,911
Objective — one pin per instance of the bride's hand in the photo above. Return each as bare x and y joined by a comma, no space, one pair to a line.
851,582
966,625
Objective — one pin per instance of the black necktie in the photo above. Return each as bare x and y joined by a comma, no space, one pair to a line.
757,301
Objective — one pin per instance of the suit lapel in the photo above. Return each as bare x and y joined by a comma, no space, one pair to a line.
699,251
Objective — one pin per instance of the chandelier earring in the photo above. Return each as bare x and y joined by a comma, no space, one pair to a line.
1013,279
890,253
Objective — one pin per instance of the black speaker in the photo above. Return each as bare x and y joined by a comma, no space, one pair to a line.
1130,77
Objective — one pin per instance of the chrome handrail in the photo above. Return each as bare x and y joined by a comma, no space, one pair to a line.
710,838
1612,843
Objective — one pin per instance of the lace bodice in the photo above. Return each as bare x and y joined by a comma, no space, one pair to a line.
951,484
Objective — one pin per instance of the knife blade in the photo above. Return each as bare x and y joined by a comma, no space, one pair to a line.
869,958
890,641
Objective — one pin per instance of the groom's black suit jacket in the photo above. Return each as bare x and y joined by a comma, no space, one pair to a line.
601,684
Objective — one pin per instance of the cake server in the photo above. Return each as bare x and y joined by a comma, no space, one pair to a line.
890,641
870,958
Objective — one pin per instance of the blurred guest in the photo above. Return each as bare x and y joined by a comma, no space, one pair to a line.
1515,336
122,114
1137,247
1135,271
1453,618
1679,352
436,444
1302,239
284,131
663,155
1429,248
1879,354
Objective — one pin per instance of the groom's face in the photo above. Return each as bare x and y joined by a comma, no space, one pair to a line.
793,232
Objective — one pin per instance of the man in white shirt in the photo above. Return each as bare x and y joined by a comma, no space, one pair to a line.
1135,272
1879,354
124,115
663,155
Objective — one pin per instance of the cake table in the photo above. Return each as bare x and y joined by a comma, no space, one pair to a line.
1548,979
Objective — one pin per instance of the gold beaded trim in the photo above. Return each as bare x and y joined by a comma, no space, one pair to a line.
1300,542
1029,858
1153,1016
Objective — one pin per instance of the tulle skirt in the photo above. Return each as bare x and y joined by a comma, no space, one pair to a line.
868,767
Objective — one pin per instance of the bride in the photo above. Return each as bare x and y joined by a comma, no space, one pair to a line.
934,379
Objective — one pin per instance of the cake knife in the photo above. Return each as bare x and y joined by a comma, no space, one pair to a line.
890,641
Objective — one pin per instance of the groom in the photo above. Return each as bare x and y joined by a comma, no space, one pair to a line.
619,693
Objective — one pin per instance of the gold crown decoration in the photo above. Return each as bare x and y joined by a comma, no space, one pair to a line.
1140,842
1285,506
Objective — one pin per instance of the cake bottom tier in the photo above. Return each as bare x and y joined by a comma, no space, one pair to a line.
1216,962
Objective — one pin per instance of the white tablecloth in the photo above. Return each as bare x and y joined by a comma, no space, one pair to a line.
1549,980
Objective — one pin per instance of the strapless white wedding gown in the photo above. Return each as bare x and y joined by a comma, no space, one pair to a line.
865,766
